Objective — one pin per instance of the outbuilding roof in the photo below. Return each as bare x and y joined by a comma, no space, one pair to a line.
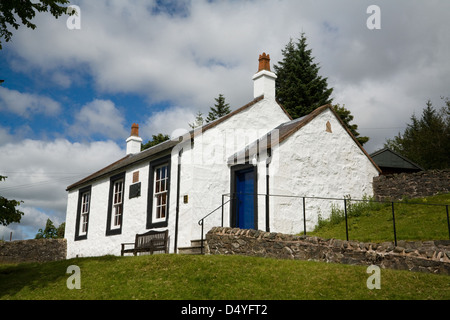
390,159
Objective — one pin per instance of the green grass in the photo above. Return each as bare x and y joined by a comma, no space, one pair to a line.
373,222
182,277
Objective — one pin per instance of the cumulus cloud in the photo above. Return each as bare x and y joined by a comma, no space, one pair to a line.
99,117
168,122
26,104
39,171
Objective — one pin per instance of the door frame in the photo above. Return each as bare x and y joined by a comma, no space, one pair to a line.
233,207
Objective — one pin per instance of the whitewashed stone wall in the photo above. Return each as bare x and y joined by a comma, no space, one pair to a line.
205,173
134,217
316,163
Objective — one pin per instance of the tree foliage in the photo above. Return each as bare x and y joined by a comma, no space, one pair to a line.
198,122
8,211
50,231
156,139
220,109
346,118
299,87
26,10
426,141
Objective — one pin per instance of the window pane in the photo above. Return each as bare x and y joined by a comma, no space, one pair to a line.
163,212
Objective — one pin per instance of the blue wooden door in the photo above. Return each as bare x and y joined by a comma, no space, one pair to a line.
245,199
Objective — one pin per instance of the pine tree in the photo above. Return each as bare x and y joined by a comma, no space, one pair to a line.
220,109
299,87
198,122
426,141
346,118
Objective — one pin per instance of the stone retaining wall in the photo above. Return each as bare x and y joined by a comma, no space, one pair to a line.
35,250
427,256
411,185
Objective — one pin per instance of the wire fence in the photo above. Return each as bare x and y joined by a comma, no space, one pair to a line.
305,213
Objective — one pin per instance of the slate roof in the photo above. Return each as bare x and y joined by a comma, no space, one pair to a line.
391,159
125,161
161,148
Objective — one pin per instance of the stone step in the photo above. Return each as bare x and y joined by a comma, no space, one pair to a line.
195,248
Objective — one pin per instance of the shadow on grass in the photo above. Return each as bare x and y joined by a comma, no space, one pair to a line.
29,276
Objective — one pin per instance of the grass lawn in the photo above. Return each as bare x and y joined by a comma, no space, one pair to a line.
373,222
182,277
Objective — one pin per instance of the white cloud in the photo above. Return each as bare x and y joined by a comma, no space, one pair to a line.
39,171
26,104
168,122
99,117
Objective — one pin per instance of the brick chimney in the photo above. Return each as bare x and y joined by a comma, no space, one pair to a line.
134,141
264,79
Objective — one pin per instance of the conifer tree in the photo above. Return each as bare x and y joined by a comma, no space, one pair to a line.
346,118
299,87
426,141
220,109
198,122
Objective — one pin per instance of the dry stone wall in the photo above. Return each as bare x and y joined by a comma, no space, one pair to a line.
427,256
35,250
411,185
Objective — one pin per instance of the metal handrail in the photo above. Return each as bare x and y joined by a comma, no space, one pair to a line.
201,221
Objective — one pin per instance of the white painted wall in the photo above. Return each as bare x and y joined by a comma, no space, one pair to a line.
316,163
134,216
206,175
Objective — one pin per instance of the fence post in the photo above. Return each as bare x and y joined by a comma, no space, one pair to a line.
304,217
448,221
346,223
393,221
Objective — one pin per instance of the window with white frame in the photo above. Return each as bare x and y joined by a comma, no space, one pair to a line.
82,220
160,187
85,202
158,193
117,205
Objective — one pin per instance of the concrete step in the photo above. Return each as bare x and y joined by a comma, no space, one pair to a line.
195,248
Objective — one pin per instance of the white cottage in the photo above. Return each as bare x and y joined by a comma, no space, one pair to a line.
251,164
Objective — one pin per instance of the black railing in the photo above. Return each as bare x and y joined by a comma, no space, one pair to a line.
345,202
202,220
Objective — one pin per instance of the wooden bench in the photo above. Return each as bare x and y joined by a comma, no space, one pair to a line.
148,242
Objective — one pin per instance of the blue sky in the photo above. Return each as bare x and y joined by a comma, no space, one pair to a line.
70,96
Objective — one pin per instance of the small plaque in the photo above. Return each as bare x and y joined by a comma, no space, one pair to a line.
135,190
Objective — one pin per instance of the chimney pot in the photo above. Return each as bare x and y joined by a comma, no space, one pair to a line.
264,62
135,130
